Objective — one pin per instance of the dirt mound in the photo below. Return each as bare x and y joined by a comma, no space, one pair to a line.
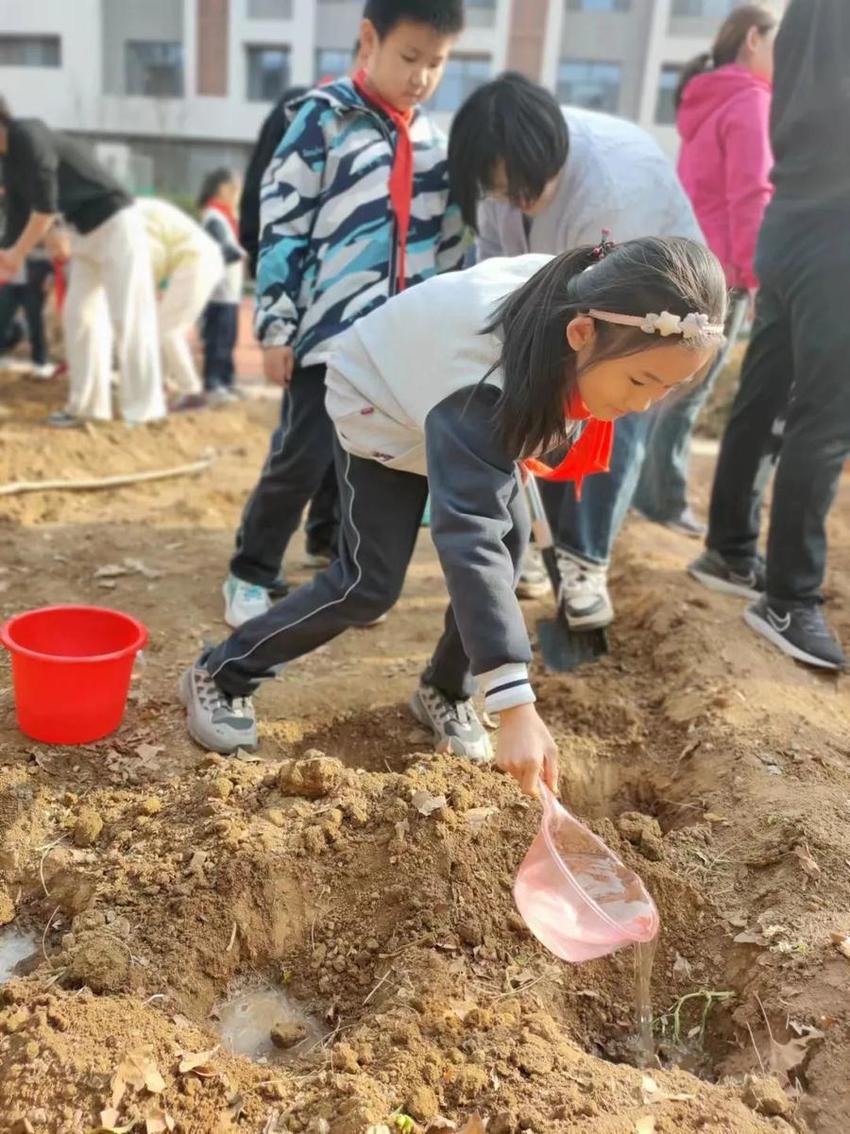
371,881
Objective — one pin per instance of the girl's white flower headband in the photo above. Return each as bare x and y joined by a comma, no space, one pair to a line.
693,326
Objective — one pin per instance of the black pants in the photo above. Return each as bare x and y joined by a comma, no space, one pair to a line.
381,513
219,328
298,469
28,296
797,367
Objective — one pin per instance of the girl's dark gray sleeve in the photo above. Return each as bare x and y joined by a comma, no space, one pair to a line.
218,229
473,487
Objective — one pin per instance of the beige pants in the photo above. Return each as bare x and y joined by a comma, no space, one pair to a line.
189,287
111,299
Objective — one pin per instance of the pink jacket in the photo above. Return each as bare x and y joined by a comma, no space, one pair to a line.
725,161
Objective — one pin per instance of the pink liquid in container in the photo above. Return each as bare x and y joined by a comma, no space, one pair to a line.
575,895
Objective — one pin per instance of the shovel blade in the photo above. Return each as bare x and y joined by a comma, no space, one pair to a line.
564,649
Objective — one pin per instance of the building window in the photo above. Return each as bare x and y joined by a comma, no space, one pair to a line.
584,82
665,109
704,9
269,9
599,5
463,75
154,68
30,51
332,63
268,71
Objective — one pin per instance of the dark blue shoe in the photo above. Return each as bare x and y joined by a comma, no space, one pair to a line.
799,631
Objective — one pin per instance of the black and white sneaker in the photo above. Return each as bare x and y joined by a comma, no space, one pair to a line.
799,631
533,580
687,524
455,724
716,573
217,722
584,594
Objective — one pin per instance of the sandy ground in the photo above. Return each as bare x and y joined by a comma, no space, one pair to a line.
156,878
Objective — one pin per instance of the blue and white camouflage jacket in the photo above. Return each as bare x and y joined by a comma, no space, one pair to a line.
328,244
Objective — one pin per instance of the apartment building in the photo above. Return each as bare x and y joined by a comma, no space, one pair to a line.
165,89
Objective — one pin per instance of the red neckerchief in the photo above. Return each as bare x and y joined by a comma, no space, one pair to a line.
227,213
401,175
60,282
590,454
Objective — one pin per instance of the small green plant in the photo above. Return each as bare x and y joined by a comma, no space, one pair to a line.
403,1123
669,1024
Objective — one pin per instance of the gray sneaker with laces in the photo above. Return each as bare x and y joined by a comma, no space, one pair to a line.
217,722
455,724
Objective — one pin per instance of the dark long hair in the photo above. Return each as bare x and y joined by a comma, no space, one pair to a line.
728,42
653,274
509,120
212,183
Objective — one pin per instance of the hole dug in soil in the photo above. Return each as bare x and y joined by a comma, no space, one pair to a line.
380,904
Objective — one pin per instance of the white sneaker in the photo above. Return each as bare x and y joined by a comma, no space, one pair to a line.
533,580
584,593
44,371
221,396
243,601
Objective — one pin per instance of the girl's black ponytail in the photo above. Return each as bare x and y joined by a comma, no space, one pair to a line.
535,354
538,365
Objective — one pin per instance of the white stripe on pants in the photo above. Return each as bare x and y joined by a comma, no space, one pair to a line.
111,292
188,288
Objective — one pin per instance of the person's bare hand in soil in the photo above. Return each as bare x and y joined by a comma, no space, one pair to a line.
278,365
525,749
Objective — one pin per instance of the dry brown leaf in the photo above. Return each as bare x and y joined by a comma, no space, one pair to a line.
682,967
142,569
476,817
652,1093
148,751
109,1123
136,1070
645,1125
713,817
808,864
648,1088
786,1057
425,803
748,938
842,944
157,1120
197,1061
111,571
473,1125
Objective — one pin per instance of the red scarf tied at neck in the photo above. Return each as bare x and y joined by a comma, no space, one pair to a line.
590,454
401,175
227,213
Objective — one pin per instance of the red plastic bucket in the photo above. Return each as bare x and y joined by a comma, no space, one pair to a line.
71,669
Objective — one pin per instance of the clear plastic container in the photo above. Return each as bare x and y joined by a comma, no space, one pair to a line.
575,895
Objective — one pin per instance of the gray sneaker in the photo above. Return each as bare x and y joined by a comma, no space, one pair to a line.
216,721
455,724
718,574
533,580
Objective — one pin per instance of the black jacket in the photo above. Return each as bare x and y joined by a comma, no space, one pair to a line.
45,171
271,132
810,112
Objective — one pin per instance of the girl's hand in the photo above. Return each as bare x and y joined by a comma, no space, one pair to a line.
278,364
525,749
